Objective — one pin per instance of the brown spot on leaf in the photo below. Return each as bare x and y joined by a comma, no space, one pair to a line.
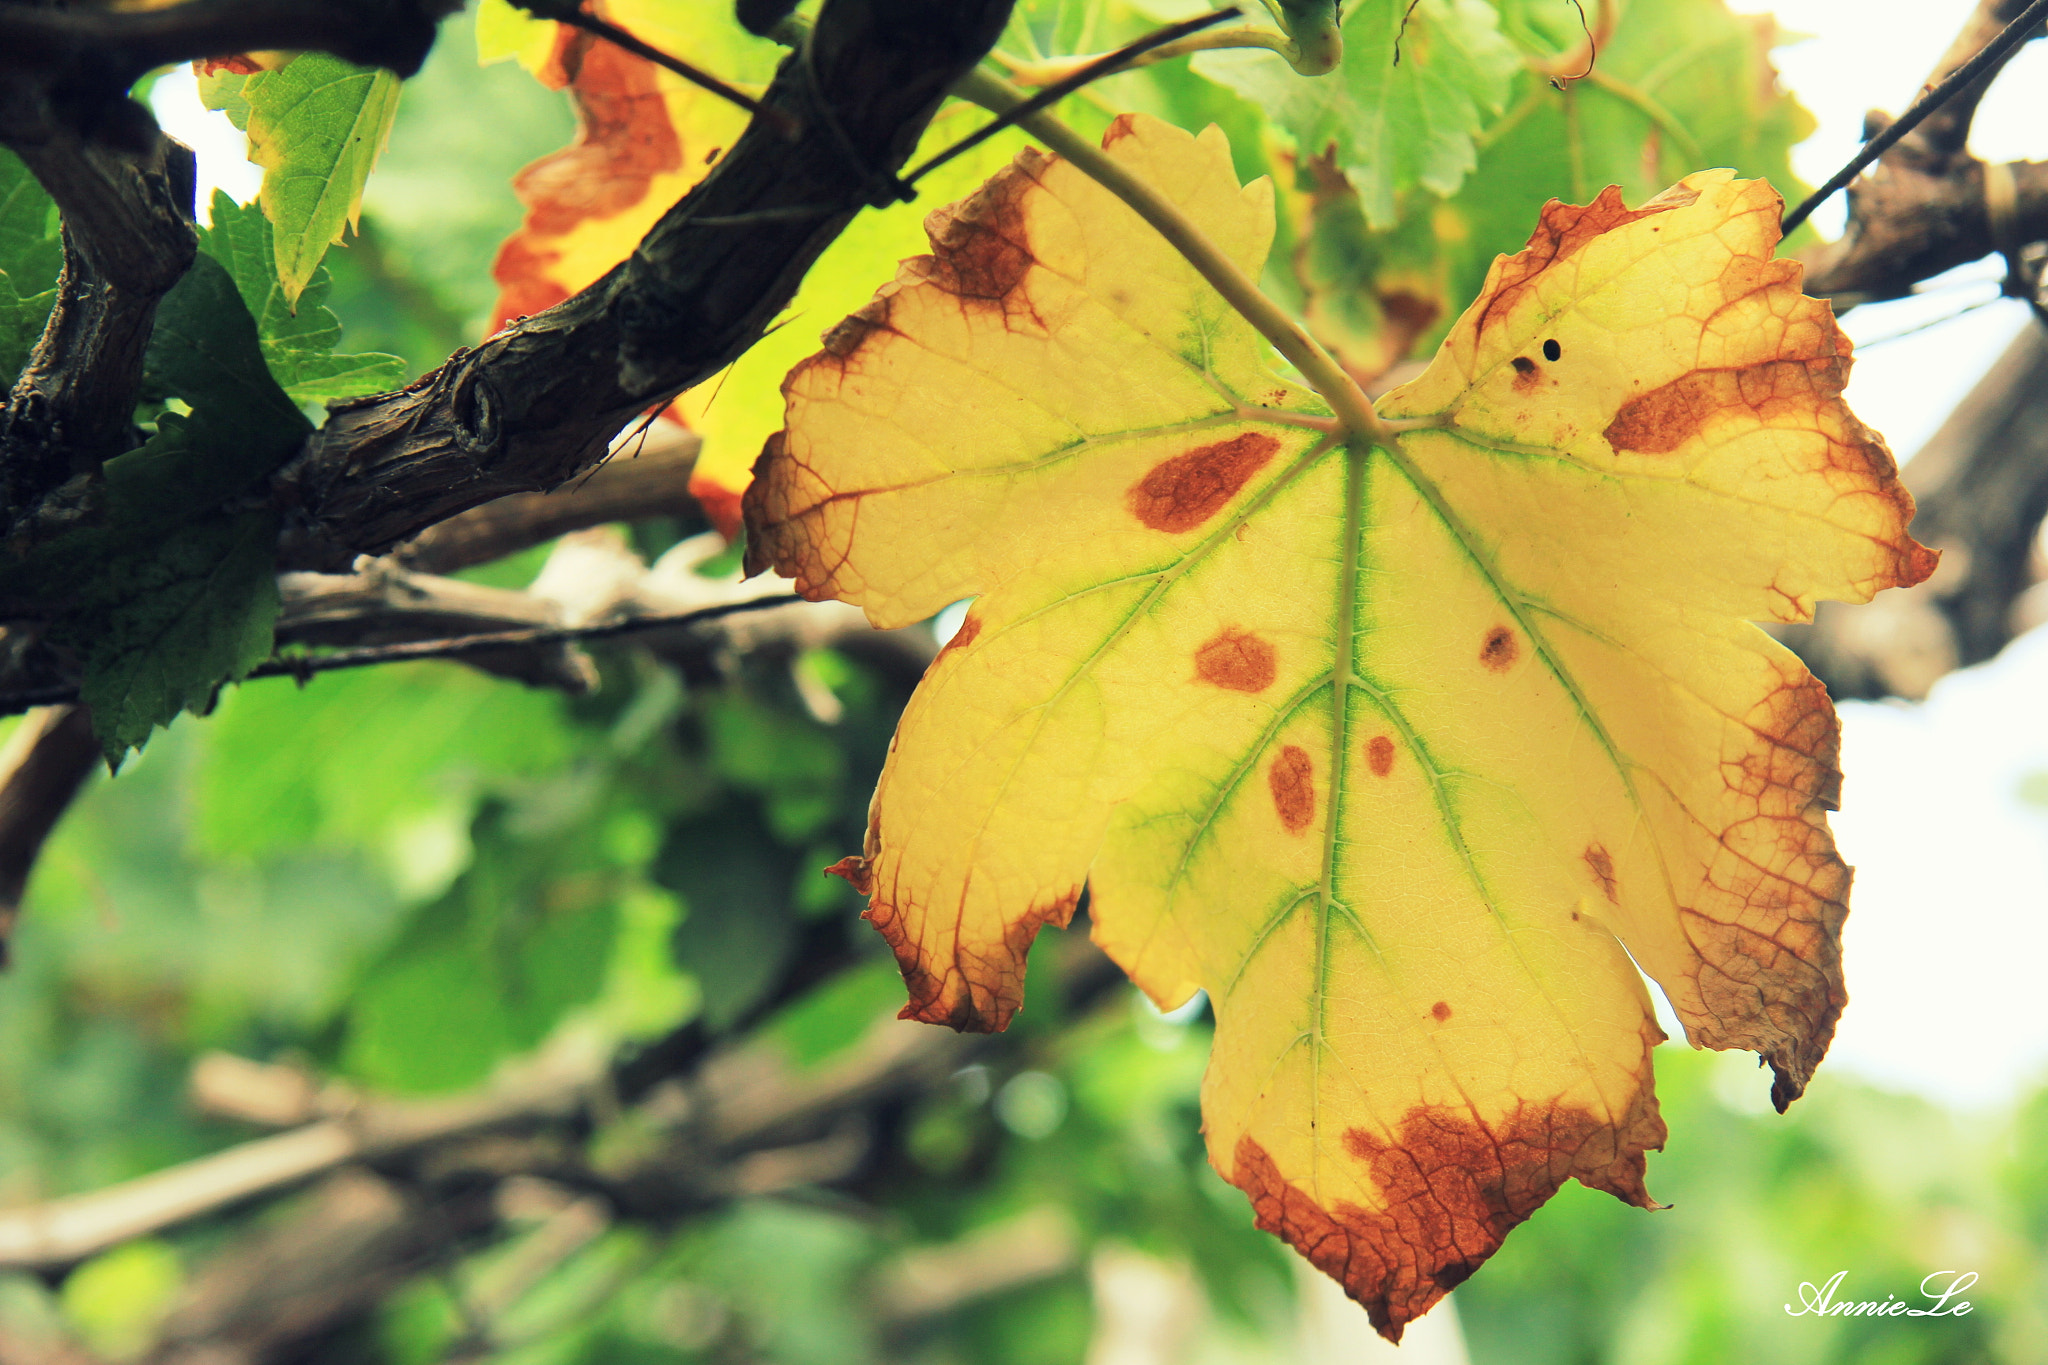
981,246
1440,1011
1292,778
1527,373
854,330
1453,1190
1603,868
1380,754
1665,418
1236,660
1181,493
963,637
239,65
1120,127
1499,650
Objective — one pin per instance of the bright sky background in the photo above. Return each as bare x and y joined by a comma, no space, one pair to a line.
1949,923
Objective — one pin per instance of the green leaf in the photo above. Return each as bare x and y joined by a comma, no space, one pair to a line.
490,967
357,757
31,251
31,256
162,629
1679,86
734,879
1392,127
169,595
206,351
316,126
21,323
297,345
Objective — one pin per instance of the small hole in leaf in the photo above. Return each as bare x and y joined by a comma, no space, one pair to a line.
1552,351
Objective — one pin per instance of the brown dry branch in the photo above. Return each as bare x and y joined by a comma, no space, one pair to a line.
1982,481
46,761
128,237
648,475
399,1186
1982,486
1925,209
538,404
76,50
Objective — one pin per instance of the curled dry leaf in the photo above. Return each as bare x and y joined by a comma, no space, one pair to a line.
1391,750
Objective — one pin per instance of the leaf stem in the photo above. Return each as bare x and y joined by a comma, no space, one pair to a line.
1337,388
1052,70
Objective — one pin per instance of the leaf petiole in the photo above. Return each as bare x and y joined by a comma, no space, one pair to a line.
1316,365
1053,70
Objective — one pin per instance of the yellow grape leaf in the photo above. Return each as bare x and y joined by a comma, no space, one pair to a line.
737,410
1391,750
646,136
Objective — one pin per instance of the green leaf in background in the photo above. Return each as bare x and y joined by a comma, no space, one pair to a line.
31,256
21,323
30,249
316,126
1392,128
737,930
485,971
392,759
116,1299
1679,86
162,630
298,344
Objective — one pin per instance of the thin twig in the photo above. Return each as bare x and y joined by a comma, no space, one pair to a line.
1059,90
1592,51
1402,32
571,12
454,647
1043,71
2010,37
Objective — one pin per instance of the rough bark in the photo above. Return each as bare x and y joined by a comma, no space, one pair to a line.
1924,208
538,403
128,237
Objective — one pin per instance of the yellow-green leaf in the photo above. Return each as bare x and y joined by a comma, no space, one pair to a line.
1398,752
737,410
316,126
